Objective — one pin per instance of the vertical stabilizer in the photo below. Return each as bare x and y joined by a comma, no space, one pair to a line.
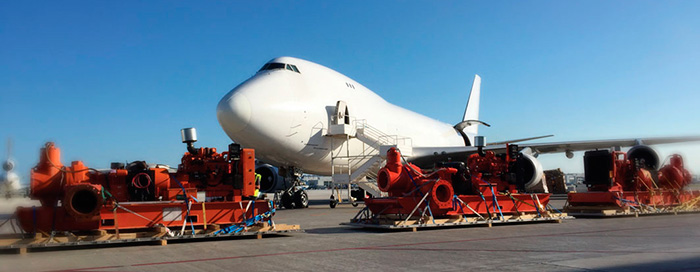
471,113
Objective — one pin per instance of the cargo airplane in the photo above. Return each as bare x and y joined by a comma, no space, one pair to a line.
285,111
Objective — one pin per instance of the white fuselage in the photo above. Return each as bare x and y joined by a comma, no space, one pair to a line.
285,116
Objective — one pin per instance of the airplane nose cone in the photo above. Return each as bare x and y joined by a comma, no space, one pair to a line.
234,112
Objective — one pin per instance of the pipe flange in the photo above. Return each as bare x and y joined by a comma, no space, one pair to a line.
83,201
441,194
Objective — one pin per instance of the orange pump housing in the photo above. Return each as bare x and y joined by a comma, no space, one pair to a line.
48,181
674,175
82,198
399,180
627,176
410,187
631,184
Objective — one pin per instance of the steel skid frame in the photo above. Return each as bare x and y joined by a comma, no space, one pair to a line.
411,212
143,215
626,203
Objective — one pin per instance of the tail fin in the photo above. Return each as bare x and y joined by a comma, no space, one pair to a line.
469,127
471,113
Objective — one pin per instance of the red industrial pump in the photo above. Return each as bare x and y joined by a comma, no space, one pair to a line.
674,175
622,180
138,195
489,186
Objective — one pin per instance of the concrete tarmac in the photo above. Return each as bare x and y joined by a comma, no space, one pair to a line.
647,243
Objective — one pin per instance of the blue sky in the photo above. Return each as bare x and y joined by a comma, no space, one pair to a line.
116,81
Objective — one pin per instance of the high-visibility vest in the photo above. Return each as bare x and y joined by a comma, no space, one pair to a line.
258,177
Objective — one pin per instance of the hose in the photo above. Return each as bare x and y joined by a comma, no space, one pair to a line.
136,181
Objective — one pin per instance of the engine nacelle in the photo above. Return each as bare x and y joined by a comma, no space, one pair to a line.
270,180
530,171
645,155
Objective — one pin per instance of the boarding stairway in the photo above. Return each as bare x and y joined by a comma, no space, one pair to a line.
358,151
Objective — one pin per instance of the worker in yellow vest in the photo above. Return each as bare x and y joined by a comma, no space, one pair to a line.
258,177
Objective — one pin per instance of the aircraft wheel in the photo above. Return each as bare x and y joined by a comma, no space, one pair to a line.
354,204
301,199
287,200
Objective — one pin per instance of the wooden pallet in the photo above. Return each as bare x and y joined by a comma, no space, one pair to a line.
17,243
613,211
393,222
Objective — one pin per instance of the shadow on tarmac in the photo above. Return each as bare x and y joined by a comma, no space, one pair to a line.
682,264
319,202
338,229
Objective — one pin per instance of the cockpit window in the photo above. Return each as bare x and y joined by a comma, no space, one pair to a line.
277,65
272,66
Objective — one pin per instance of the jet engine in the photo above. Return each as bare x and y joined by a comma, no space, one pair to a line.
288,194
270,180
530,171
646,156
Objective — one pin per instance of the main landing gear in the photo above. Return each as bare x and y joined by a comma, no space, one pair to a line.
295,196
294,199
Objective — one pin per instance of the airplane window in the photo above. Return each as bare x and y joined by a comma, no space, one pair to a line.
276,65
272,66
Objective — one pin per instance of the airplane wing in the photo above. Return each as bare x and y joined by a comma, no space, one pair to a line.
427,156
520,140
